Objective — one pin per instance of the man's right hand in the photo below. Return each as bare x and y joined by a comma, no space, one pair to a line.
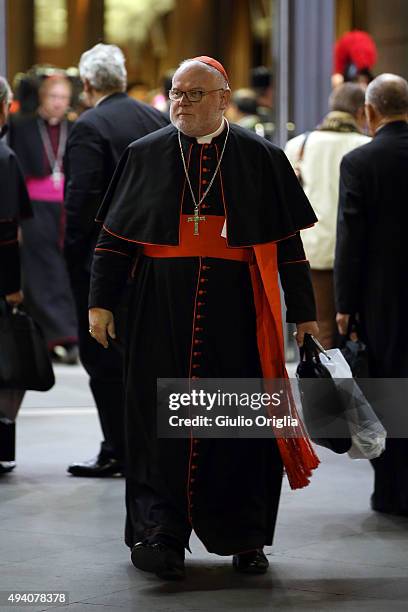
101,325
14,299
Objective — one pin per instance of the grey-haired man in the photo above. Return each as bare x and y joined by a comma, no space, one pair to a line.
95,144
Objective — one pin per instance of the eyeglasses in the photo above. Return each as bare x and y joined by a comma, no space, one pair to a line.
194,95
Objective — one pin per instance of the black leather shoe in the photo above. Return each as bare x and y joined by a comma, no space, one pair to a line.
7,466
67,354
96,468
160,559
253,562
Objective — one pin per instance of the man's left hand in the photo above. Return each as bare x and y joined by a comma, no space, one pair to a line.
342,321
101,325
308,327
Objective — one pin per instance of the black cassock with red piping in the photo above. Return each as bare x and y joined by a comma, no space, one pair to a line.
195,316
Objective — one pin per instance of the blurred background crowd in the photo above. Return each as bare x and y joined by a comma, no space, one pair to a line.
44,40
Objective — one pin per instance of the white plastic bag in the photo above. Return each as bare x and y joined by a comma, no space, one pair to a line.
367,433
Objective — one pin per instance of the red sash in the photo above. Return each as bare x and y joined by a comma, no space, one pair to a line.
295,447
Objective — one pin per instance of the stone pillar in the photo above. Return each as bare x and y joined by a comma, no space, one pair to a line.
311,60
232,27
85,27
280,52
20,35
302,46
190,31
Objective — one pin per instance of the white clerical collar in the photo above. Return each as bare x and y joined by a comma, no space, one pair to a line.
208,137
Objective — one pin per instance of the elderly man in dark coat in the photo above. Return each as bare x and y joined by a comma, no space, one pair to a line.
94,146
370,266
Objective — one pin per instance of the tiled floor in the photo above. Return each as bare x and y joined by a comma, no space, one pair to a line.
60,533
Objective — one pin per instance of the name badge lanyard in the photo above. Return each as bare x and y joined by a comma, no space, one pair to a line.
55,161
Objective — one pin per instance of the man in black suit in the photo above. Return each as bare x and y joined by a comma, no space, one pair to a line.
95,144
371,261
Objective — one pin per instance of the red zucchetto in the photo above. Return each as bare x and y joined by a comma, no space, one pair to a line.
210,61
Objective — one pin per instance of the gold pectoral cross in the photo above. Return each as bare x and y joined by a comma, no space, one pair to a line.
196,220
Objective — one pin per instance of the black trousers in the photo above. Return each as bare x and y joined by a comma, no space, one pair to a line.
105,370
7,441
391,478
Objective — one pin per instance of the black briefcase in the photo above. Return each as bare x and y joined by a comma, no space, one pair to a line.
322,406
24,359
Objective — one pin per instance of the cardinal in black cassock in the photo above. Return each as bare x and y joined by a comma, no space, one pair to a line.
204,304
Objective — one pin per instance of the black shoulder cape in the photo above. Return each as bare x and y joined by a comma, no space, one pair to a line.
14,200
264,201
